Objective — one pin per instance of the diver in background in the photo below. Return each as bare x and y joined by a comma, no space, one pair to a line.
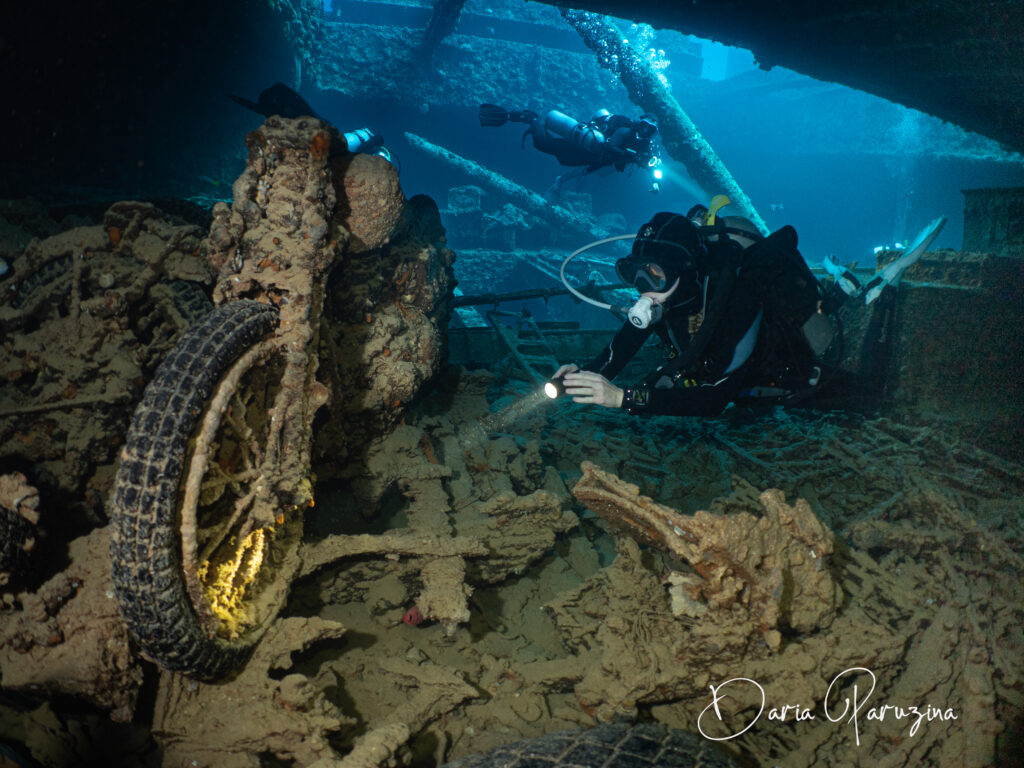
279,99
606,140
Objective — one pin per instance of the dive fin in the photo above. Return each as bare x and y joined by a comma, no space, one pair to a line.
491,115
278,99
844,276
893,272
247,103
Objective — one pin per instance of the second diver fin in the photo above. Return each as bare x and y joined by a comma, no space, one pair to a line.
491,115
844,277
892,273
278,99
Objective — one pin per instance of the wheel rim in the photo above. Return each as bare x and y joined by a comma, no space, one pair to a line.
234,533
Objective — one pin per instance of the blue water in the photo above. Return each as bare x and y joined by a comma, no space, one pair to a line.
850,171
149,118
780,134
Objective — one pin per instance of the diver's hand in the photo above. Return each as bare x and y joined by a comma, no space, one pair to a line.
593,388
567,368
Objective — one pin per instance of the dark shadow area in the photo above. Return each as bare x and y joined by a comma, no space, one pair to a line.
110,98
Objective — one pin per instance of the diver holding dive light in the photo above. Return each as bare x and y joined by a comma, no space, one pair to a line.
740,314
605,140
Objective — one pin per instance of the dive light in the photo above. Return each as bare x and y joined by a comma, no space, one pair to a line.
654,166
554,388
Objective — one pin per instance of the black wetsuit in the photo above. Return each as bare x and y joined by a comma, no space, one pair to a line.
621,146
624,144
735,351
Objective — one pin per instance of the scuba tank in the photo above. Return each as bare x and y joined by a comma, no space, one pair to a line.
366,141
582,135
362,140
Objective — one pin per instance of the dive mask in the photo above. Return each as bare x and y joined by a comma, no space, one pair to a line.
643,276
655,262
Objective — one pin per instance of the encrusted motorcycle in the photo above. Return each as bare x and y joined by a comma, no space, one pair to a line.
208,502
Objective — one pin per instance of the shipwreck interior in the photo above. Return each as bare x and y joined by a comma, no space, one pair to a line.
278,482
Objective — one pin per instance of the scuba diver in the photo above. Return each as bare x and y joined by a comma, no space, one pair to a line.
607,140
281,100
741,316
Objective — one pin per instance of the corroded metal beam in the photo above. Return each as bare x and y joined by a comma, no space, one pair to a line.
443,22
520,195
679,135
958,60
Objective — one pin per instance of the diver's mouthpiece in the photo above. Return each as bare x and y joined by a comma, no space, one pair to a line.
644,312
554,388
